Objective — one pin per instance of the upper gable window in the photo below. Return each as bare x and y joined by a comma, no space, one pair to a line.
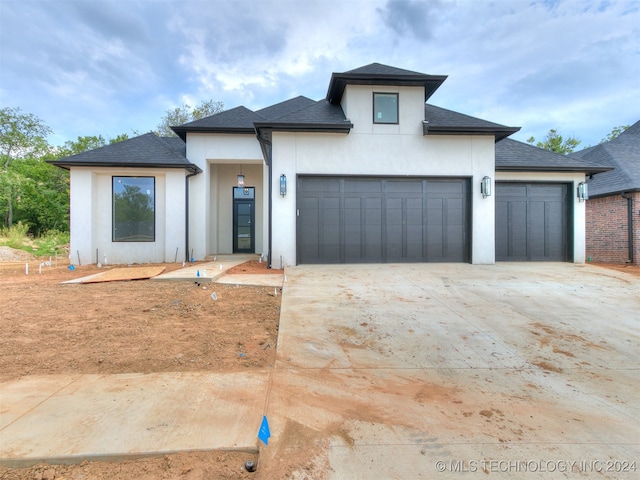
385,108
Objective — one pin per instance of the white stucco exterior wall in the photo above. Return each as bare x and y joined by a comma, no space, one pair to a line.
578,207
92,217
81,213
221,157
382,150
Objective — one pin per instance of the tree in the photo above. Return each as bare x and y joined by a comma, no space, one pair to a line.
554,142
615,131
82,144
187,113
21,136
41,197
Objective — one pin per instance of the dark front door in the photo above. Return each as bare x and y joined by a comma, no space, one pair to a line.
244,207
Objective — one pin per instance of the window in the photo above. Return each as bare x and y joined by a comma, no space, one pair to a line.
385,108
134,205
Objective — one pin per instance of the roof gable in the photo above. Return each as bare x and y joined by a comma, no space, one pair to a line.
146,151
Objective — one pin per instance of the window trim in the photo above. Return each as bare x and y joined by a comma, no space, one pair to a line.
381,122
113,209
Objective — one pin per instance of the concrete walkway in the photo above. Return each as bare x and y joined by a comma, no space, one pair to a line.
216,271
71,418
385,371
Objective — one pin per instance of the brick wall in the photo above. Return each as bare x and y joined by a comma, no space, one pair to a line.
607,229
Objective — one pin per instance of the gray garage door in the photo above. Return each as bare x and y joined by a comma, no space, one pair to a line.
532,222
374,220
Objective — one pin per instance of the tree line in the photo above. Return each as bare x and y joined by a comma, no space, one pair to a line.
36,194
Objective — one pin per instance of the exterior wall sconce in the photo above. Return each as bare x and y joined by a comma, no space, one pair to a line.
485,187
240,180
283,184
583,192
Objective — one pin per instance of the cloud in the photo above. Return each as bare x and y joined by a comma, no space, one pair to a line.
415,17
111,66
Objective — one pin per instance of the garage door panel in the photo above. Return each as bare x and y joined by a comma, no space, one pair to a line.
438,188
382,220
322,185
403,186
358,186
532,222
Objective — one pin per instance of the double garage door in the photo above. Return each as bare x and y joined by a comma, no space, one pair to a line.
377,220
532,222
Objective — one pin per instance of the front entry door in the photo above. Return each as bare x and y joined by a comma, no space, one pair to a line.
244,206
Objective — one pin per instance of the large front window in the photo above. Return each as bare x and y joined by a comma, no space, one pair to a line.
134,205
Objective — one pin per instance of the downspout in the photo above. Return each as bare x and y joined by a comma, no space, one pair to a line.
270,216
629,224
186,215
265,145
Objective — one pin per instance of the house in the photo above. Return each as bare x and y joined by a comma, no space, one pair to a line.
370,173
613,208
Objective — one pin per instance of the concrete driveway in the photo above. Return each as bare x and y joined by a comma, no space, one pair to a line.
434,371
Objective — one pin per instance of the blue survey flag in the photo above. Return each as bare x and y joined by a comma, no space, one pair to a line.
264,433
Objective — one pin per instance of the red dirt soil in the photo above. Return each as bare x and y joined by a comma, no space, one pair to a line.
150,326
133,326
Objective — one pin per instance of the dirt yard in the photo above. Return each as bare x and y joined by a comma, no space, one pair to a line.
138,326
132,326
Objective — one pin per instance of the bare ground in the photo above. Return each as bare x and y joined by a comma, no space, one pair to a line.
140,326
144,326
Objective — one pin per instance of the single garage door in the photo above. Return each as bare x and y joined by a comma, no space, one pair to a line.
377,220
532,222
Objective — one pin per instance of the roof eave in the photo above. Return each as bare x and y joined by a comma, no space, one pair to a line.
190,167
588,170
498,133
616,192
182,131
339,81
304,127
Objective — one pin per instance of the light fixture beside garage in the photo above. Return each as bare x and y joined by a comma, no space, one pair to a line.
485,186
283,184
583,192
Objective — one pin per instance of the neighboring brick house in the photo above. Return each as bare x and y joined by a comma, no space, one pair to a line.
613,207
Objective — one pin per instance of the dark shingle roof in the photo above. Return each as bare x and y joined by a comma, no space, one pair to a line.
236,120
285,108
447,122
320,116
241,119
512,155
146,150
378,74
623,155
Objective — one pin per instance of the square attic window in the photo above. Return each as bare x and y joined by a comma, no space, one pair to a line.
385,108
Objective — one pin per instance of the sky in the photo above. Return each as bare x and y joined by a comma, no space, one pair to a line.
107,67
